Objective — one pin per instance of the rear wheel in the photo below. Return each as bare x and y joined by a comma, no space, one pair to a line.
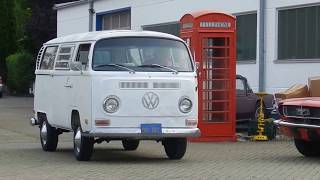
130,144
307,148
48,136
82,145
175,147
0,94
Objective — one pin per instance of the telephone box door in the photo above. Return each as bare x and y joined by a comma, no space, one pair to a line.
216,76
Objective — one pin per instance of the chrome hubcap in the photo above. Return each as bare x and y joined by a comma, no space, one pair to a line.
77,140
43,133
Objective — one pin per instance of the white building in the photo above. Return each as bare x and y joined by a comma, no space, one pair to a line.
292,31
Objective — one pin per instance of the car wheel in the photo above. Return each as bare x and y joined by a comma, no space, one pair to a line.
48,136
1,94
175,147
82,145
307,148
130,145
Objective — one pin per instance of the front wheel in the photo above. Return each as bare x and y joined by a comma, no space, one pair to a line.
48,136
130,144
308,148
82,146
175,147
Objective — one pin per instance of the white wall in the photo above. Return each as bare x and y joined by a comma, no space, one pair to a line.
72,20
282,76
146,12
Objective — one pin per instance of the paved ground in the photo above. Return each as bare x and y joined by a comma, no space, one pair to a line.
21,156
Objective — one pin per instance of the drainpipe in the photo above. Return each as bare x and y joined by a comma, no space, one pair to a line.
262,62
91,13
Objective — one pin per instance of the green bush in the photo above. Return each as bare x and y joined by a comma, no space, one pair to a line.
20,72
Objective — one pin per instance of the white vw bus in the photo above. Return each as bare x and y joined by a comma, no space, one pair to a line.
116,85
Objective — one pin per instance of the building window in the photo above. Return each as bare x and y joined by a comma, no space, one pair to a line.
116,19
246,37
170,28
299,33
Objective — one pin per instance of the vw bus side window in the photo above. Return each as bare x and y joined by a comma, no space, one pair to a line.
48,58
64,57
83,55
141,54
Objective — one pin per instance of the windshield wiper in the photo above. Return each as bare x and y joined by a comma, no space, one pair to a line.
116,65
161,66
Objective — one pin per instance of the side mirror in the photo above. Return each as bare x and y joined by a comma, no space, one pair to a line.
76,66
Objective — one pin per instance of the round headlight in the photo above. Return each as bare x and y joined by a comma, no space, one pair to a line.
111,104
185,105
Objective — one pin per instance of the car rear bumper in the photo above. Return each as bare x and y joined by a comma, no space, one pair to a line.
136,133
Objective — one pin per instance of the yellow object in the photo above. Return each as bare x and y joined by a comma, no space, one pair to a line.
261,124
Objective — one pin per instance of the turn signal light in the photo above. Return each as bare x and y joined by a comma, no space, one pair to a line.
102,122
191,122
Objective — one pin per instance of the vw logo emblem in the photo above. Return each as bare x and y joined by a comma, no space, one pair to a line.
150,100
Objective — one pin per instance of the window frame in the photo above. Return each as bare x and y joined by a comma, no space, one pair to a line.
150,26
42,57
100,17
69,61
249,61
192,61
277,60
77,49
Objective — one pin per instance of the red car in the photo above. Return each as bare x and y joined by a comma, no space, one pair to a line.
300,119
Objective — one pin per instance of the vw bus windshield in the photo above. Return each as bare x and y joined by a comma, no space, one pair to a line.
142,54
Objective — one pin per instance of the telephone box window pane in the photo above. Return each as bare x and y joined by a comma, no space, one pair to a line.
246,37
298,33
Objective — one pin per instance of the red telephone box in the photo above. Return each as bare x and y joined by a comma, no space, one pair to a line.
211,37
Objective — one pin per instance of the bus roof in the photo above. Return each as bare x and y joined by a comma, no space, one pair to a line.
97,35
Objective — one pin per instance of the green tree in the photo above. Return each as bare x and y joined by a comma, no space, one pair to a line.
7,34
20,72
22,13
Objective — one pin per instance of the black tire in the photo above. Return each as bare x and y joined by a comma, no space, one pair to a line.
1,94
82,145
130,144
48,136
308,148
175,147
